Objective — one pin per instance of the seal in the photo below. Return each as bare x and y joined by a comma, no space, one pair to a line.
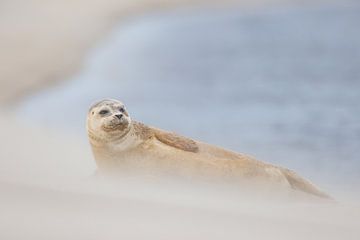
122,145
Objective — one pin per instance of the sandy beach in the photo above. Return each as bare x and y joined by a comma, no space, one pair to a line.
46,187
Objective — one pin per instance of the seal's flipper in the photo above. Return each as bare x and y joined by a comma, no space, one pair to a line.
298,183
177,141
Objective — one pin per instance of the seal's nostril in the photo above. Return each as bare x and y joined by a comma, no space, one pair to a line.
119,116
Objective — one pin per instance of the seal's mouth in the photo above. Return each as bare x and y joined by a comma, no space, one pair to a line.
116,124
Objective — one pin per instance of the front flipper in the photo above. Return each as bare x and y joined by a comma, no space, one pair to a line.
177,141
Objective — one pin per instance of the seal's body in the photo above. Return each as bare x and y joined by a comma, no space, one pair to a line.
122,145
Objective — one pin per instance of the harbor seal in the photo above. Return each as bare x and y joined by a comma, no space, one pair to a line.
122,145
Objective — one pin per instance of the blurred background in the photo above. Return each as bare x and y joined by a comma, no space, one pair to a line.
278,80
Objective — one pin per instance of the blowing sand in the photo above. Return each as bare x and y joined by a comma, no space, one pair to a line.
46,187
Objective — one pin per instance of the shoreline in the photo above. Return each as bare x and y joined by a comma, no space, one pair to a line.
52,51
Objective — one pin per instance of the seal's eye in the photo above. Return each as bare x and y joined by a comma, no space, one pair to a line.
122,109
103,112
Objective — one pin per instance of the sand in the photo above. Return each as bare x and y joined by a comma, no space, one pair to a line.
46,187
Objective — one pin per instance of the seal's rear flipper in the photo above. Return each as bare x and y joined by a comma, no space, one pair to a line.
298,183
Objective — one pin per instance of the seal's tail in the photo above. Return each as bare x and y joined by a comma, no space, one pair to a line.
298,183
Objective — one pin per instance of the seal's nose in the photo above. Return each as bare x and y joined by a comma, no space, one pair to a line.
119,116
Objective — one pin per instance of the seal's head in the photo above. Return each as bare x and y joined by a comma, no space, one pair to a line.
108,120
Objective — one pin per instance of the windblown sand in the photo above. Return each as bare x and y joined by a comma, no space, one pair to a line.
47,193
